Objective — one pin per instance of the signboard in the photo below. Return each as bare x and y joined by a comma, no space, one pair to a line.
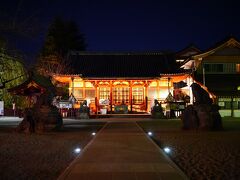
224,99
222,104
104,101
1,108
65,104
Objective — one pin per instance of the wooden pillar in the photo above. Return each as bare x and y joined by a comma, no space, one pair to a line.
158,90
95,86
84,90
146,97
146,100
96,96
130,96
111,97
168,85
72,92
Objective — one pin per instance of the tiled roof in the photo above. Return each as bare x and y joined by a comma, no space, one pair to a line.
122,64
188,52
26,88
223,41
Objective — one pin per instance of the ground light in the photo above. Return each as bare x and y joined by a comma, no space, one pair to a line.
167,150
150,133
77,150
93,133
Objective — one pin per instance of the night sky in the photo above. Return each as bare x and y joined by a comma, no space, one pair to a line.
124,25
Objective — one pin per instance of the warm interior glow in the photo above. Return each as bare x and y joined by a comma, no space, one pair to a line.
62,79
164,83
138,83
88,84
104,93
153,84
163,93
103,83
120,91
76,84
121,95
121,83
137,95
238,68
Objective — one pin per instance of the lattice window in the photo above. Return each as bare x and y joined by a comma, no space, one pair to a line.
121,95
137,95
90,93
104,93
78,93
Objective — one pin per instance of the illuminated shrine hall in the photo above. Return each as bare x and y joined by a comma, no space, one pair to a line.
109,80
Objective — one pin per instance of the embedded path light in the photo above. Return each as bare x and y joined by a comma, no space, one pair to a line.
77,150
167,150
93,133
150,133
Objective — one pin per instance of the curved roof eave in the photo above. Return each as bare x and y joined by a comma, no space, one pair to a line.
230,41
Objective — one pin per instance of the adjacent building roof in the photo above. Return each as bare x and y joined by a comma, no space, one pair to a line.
151,64
187,52
34,85
229,45
229,42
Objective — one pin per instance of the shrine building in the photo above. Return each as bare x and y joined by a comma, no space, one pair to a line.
108,80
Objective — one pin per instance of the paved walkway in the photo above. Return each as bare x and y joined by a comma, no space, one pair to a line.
122,151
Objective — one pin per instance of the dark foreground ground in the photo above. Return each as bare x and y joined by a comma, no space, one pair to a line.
201,155
41,156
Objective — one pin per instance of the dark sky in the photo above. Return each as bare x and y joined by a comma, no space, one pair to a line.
126,25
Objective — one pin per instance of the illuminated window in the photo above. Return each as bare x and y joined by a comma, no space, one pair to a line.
153,84
121,95
90,93
137,95
104,93
103,83
163,93
120,83
77,84
138,83
152,93
78,93
88,84
164,82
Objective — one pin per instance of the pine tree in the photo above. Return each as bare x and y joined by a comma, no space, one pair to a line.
62,37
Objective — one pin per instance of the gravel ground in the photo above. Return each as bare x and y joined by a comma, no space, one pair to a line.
201,155
40,156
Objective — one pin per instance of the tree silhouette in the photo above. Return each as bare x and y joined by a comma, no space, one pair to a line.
62,37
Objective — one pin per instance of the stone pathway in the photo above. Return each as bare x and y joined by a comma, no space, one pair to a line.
122,151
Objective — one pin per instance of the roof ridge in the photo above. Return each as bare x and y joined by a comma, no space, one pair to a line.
117,53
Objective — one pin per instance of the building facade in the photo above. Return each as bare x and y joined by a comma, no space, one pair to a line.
107,80
218,68
137,94
134,80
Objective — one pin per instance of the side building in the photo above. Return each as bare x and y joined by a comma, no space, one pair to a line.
218,68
